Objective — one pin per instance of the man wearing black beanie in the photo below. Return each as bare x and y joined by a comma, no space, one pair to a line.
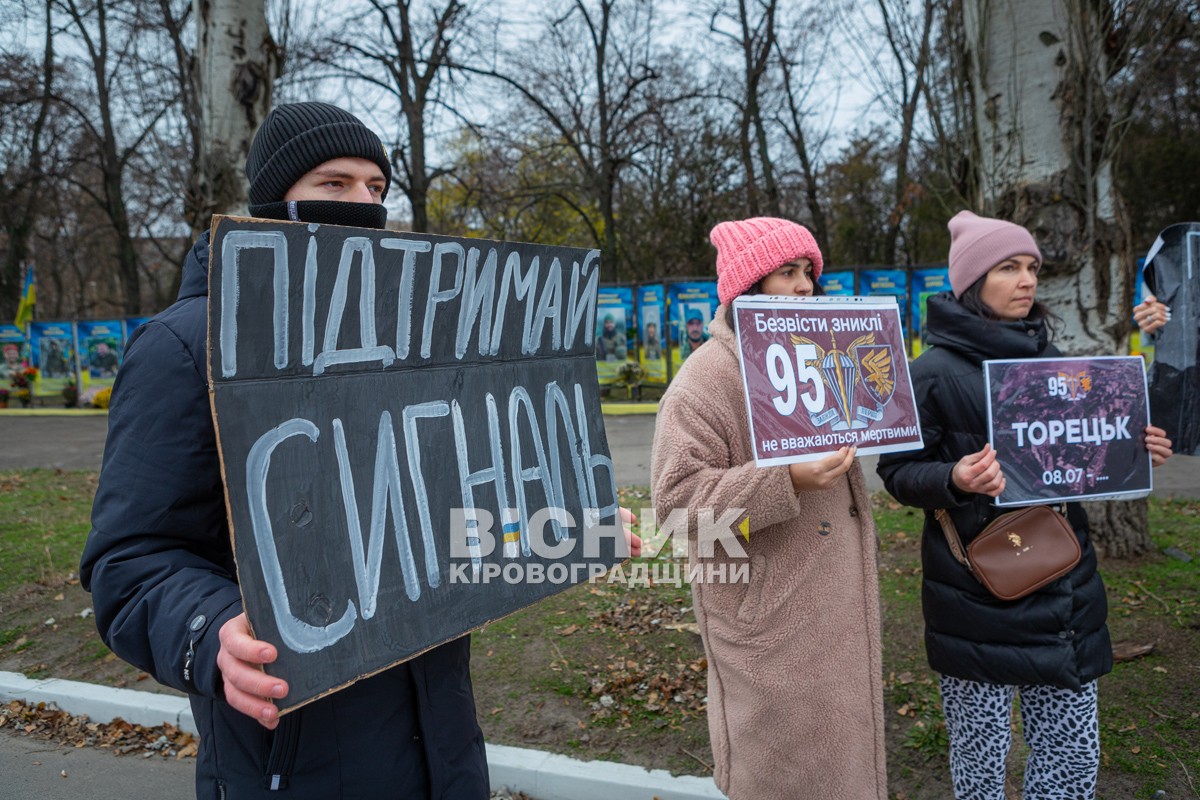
299,149
159,559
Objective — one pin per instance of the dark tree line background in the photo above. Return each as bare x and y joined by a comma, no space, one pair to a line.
627,125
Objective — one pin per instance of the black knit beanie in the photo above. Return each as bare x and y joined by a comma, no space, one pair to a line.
296,138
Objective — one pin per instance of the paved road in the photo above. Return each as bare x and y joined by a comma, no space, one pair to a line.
77,442
33,769
63,442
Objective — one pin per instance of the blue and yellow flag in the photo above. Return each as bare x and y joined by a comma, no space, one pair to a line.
28,298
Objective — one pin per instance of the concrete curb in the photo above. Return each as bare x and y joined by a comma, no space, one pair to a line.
548,776
622,409
100,703
545,776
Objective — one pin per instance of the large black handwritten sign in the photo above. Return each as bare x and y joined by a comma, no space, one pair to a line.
410,434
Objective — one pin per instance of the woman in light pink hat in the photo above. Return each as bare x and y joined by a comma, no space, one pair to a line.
1050,646
795,703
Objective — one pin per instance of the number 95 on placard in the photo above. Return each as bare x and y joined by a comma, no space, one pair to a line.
788,372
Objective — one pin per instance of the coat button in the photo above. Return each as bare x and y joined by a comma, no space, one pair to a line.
1031,332
197,623
854,511
825,529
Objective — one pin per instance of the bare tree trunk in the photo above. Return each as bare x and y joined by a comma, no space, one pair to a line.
1047,135
110,160
608,172
1041,118
1119,529
411,62
795,132
792,121
950,102
107,45
237,63
756,39
22,203
128,267
416,91
912,89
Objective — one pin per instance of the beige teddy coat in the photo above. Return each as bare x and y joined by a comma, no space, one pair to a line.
795,695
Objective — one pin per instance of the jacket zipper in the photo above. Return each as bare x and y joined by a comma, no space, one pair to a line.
282,757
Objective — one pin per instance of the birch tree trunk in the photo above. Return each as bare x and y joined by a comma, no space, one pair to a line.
1046,134
236,66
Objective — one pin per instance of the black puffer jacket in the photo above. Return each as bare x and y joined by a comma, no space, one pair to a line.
160,567
1056,636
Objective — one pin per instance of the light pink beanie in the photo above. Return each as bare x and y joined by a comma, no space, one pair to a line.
748,250
979,243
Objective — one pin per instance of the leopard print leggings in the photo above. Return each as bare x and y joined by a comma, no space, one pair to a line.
1061,727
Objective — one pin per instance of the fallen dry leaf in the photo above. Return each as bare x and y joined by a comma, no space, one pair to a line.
45,721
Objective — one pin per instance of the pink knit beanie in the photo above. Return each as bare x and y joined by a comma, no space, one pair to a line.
749,250
979,243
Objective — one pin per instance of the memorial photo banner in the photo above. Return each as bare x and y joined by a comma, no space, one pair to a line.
924,284
839,284
886,283
13,349
651,310
1069,428
691,305
821,373
52,351
410,435
615,342
101,347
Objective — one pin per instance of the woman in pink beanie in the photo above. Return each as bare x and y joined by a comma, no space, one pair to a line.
795,701
1050,646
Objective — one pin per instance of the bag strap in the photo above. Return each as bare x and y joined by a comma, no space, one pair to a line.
943,518
956,548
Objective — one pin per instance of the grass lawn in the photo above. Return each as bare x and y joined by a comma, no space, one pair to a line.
608,671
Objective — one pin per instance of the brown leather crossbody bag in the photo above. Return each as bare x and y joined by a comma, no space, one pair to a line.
1018,552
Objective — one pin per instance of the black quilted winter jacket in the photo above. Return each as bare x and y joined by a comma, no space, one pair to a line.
159,565
1056,636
